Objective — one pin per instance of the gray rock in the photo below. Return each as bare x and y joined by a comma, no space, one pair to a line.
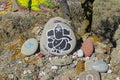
57,37
89,75
29,47
100,66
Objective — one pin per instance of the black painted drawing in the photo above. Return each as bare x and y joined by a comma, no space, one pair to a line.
59,39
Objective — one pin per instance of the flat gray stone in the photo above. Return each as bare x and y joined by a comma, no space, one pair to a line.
57,37
100,66
29,47
89,75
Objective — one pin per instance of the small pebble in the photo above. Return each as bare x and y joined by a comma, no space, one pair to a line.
40,55
109,71
54,67
10,76
24,72
118,78
80,53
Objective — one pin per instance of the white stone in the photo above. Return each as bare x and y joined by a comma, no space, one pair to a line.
29,47
24,72
80,53
57,37
11,76
100,66
109,71
54,67
118,78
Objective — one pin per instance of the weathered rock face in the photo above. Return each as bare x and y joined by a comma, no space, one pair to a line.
115,55
12,24
57,37
81,15
106,18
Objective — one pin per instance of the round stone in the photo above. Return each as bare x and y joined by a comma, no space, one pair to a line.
87,47
100,66
80,53
57,37
29,47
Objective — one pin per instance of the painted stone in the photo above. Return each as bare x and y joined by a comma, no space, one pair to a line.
100,66
29,47
57,37
87,47
89,75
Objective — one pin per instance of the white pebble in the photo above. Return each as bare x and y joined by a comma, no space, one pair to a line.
29,71
11,76
19,62
26,58
50,58
80,53
24,72
118,78
78,79
74,55
109,71
54,67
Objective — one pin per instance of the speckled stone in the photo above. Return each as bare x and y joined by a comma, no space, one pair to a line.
89,75
29,47
57,37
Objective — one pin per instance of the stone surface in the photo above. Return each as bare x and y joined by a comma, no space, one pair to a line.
89,75
115,54
100,66
87,47
29,47
57,37
105,20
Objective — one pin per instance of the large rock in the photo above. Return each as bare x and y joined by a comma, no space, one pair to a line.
106,18
57,37
115,55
